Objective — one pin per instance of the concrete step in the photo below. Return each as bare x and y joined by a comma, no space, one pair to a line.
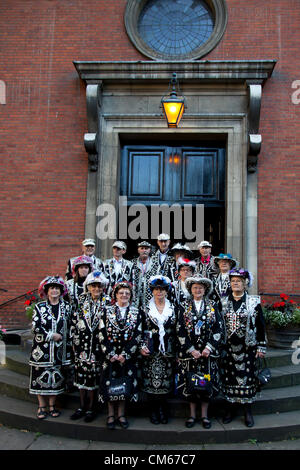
22,415
17,359
285,376
15,385
275,357
284,373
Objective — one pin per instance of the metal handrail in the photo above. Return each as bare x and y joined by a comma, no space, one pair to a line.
17,298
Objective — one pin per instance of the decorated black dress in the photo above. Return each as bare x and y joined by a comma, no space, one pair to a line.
167,267
119,335
48,357
221,288
157,369
206,268
245,335
84,333
141,273
75,289
198,329
113,276
180,294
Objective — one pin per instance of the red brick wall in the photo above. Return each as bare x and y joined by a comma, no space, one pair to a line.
43,161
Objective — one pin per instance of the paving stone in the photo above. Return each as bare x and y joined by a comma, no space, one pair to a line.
47,442
291,444
15,439
232,447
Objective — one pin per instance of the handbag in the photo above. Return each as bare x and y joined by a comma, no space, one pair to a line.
199,383
120,387
263,373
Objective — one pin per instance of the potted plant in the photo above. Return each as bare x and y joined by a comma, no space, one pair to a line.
31,300
282,322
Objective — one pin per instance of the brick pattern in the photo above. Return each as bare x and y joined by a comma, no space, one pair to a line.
43,161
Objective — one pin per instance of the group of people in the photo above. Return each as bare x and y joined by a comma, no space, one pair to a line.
161,324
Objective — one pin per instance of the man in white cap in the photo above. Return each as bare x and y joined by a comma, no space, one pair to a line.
141,273
117,268
205,263
163,261
88,246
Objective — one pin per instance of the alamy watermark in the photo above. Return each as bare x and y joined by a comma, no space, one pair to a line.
296,94
2,92
296,353
139,221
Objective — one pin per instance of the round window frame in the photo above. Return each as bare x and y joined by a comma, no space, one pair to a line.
131,18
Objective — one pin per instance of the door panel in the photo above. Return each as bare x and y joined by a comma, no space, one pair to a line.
173,174
198,175
176,175
141,166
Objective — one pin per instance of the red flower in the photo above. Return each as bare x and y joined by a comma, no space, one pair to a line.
27,302
284,296
278,304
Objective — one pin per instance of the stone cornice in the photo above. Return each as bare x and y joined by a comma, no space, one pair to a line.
255,71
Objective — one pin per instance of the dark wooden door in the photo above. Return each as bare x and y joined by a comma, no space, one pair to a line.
181,175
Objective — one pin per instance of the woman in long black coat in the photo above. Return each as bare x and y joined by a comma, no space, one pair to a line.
51,349
119,335
84,333
158,349
245,342
199,334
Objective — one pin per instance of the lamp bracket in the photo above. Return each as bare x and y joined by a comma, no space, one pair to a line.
91,139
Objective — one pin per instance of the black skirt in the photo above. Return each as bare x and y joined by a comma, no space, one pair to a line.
46,380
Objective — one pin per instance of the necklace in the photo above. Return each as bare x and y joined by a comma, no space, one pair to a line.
238,296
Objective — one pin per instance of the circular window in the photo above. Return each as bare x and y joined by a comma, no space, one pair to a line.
175,29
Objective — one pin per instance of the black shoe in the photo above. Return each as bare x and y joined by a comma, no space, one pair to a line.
122,421
249,421
230,414
206,423
190,422
89,416
154,417
163,417
110,424
79,413
227,418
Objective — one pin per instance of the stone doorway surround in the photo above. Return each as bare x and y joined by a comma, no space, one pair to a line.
223,100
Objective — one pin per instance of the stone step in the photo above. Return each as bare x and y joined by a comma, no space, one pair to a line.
22,415
275,357
15,385
279,357
284,372
285,376
17,359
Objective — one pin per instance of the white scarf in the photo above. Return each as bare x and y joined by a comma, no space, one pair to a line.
160,319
